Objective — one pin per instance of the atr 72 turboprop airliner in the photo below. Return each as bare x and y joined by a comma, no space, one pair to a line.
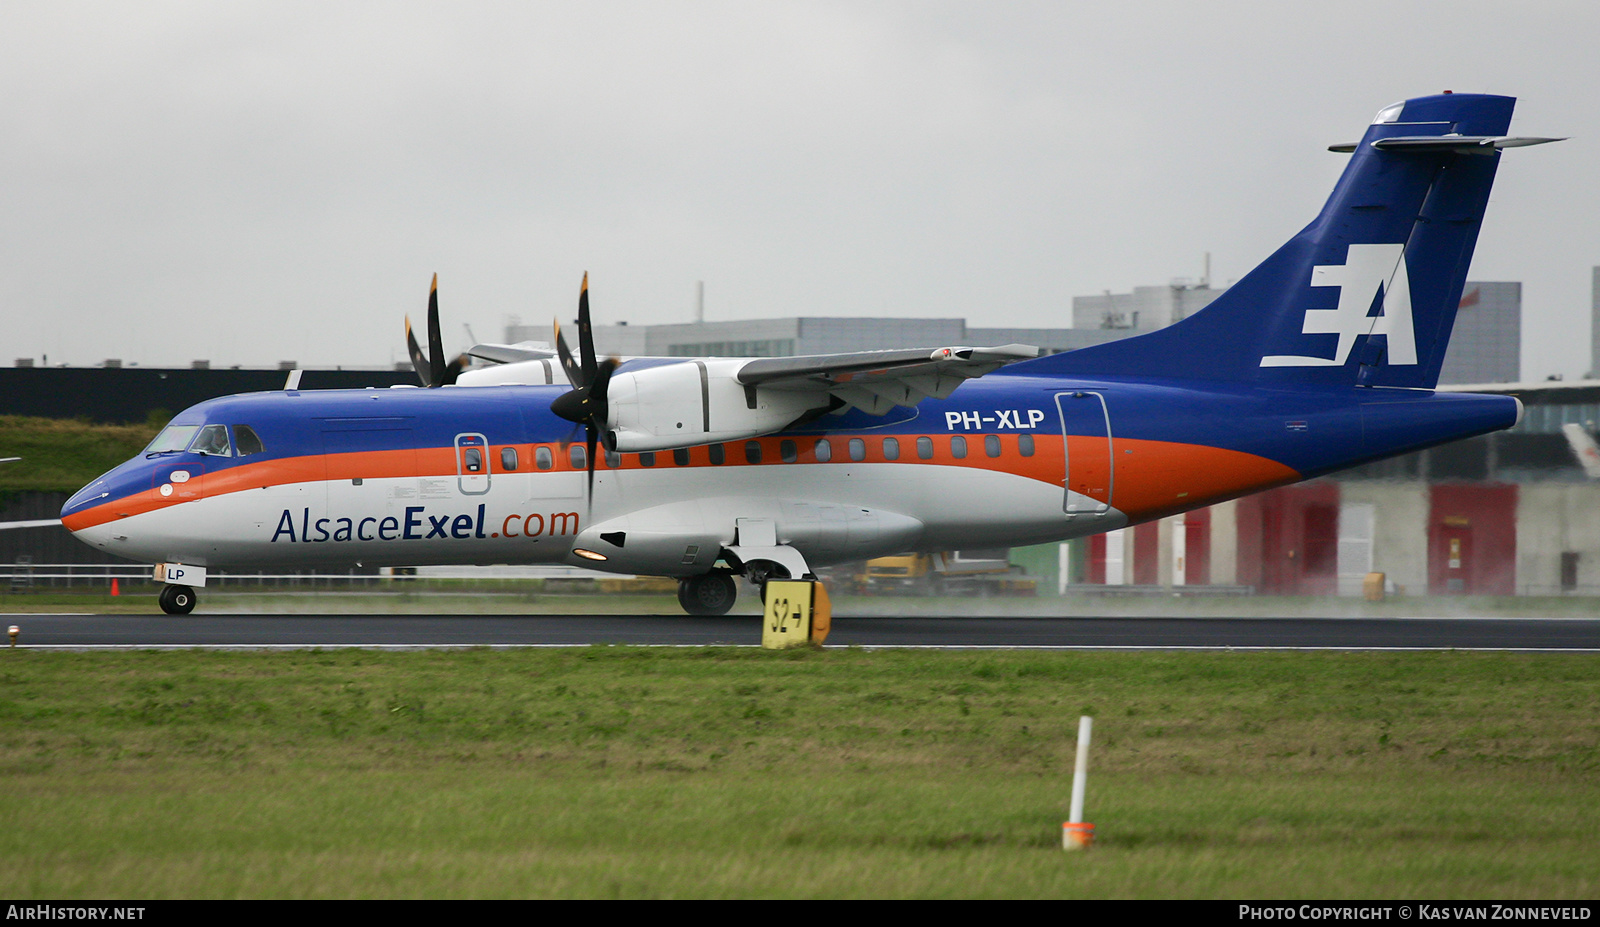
1323,357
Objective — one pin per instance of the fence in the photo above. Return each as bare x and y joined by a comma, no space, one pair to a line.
22,575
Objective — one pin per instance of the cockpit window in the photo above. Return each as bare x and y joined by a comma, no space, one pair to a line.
246,441
212,440
172,439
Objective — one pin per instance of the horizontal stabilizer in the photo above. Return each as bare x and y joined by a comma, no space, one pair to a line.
1460,144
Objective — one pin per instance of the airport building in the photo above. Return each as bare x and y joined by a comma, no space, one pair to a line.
1486,343
1594,325
1145,309
812,335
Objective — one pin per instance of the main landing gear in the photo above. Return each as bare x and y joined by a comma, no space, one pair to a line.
177,600
708,595
713,594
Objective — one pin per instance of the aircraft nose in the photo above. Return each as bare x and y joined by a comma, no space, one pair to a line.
85,498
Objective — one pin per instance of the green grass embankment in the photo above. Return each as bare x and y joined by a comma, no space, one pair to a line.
646,772
62,455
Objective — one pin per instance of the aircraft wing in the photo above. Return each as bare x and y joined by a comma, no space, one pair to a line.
31,523
511,353
877,381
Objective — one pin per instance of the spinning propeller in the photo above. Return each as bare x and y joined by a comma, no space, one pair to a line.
434,372
585,404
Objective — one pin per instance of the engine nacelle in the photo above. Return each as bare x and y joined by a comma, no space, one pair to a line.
692,402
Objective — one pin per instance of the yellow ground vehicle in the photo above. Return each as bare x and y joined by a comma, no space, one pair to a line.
955,572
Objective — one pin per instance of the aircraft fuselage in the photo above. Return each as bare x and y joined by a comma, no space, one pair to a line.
488,475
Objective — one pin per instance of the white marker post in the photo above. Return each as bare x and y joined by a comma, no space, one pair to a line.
1075,834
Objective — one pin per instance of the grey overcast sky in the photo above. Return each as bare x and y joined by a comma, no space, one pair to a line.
254,182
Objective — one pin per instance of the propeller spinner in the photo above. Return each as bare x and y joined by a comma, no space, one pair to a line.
585,404
431,367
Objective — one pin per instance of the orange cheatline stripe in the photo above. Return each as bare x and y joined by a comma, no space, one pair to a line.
1152,478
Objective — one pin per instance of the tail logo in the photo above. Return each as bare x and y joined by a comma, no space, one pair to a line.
1369,271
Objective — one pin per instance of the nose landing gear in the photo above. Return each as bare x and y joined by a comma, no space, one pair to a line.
177,600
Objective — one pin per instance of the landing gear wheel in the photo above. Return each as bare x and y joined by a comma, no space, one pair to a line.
177,600
708,595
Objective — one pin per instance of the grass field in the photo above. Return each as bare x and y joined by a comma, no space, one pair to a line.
62,455
644,772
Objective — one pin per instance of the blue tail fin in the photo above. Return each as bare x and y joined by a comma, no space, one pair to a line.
1367,293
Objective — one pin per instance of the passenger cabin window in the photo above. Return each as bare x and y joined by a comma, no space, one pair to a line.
991,445
925,448
576,458
787,451
958,447
647,459
212,441
824,450
543,459
1025,445
613,459
680,456
508,458
752,452
891,448
246,441
472,459
719,453
858,449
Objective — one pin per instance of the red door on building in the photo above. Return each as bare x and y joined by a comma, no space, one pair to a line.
1455,573
1289,540
1319,571
1472,539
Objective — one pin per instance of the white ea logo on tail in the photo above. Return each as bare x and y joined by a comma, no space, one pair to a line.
1367,270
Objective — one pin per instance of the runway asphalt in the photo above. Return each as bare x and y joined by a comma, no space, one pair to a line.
394,631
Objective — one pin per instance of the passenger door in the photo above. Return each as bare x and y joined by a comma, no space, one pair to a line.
1088,451
472,464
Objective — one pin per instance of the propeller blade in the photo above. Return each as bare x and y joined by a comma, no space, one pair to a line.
585,333
419,361
600,386
568,365
585,404
589,442
454,369
435,339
